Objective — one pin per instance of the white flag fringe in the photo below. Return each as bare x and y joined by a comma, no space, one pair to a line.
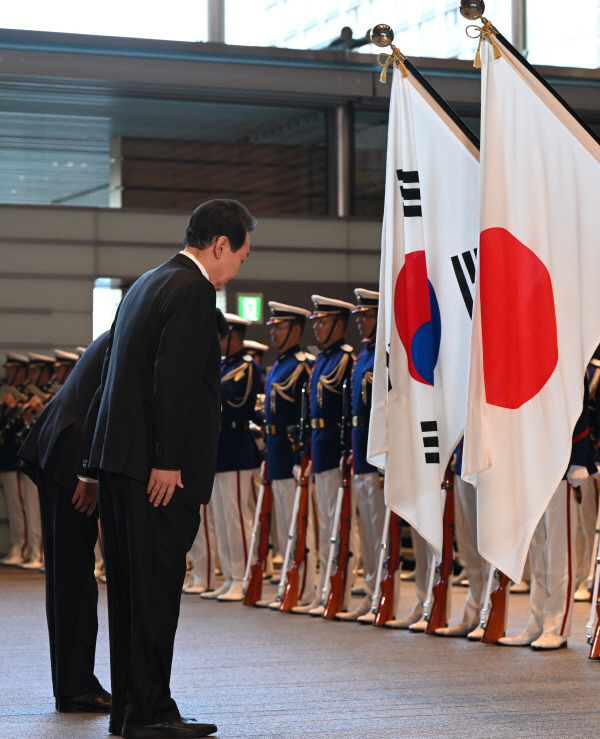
537,307
427,277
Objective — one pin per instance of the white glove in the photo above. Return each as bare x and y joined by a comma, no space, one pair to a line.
576,474
296,472
342,458
597,473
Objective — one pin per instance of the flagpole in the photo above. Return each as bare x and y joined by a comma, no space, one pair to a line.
473,10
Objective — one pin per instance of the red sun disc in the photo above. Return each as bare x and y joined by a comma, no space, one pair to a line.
518,320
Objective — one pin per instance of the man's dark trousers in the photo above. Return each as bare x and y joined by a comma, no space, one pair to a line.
69,540
145,568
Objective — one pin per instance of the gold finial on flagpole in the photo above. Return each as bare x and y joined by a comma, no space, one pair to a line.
382,35
472,9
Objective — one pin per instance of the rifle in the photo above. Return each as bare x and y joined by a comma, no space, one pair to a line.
438,613
494,627
421,626
288,552
291,590
369,618
593,634
262,518
385,609
595,641
343,519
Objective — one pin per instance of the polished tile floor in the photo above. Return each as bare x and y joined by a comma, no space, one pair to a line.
258,673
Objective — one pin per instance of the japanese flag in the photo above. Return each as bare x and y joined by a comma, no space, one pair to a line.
536,321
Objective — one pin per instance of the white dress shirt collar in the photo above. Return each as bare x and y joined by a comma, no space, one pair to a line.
201,267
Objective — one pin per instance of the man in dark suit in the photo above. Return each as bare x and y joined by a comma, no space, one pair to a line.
155,450
70,529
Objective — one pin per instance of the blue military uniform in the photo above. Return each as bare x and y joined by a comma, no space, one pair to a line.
282,409
241,381
238,458
332,367
369,494
362,389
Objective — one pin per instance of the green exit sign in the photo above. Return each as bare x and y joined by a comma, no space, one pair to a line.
250,307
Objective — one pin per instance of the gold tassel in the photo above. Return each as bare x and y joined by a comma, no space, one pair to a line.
486,31
397,57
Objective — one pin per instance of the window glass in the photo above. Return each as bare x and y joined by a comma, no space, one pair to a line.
107,296
370,130
155,153
184,20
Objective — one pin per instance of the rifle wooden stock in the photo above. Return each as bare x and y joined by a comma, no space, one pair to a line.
254,588
385,609
292,590
338,580
495,626
595,648
438,614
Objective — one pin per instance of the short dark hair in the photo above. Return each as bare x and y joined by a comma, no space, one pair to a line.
300,321
237,328
343,317
219,218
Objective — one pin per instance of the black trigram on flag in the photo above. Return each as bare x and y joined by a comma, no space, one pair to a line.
411,192
431,442
387,364
464,270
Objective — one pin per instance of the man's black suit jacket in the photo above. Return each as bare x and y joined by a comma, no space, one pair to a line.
161,381
56,441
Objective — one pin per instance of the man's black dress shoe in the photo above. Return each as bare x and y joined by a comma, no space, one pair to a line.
115,727
183,728
87,703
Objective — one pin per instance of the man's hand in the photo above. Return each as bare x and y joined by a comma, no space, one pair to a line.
9,400
86,497
35,403
162,484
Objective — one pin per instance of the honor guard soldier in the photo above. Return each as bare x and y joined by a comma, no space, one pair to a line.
588,509
13,399
39,380
282,415
369,495
63,364
255,349
237,461
41,373
203,554
332,367
552,552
